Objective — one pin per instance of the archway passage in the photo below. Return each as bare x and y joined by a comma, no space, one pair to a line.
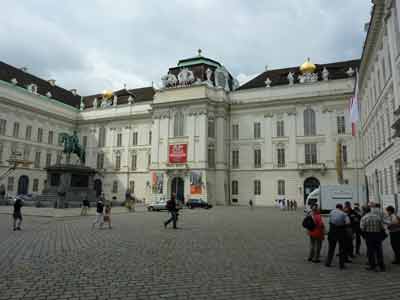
310,184
177,187
23,185
98,187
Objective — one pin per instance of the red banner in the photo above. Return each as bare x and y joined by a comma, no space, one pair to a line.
178,153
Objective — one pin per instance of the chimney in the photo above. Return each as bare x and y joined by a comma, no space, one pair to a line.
73,91
24,69
52,82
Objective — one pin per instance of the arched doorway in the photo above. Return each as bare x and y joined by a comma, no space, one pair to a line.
98,187
23,185
177,187
310,184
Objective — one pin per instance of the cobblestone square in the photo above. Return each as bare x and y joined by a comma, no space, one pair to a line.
222,253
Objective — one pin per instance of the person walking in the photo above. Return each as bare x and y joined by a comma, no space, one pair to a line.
85,206
356,227
173,210
393,224
107,215
337,232
372,227
99,212
17,214
317,235
349,230
251,204
295,204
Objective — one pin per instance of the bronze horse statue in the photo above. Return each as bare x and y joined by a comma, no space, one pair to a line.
71,145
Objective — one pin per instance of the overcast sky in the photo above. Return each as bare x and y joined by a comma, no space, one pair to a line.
102,44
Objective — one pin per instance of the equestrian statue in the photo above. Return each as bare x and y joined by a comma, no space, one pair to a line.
71,145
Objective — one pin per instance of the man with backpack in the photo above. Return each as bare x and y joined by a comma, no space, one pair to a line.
316,230
173,210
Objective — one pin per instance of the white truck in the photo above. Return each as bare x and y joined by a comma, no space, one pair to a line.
327,196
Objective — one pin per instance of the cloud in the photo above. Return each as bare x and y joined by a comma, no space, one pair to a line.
94,45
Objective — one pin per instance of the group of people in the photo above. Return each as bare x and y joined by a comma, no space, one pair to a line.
349,224
286,204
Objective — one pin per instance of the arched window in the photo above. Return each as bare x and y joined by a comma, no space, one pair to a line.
281,187
132,187
178,123
118,160
235,187
309,122
115,187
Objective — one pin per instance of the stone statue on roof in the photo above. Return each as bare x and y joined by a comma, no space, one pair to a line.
290,78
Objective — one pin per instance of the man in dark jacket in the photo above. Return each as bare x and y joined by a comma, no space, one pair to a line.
99,212
173,210
17,215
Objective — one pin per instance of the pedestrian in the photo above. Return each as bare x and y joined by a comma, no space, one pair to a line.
393,225
316,235
17,214
372,228
337,231
356,227
349,230
99,212
251,204
173,210
295,204
85,206
107,215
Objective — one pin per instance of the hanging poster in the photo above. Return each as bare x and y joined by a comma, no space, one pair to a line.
178,153
157,181
196,183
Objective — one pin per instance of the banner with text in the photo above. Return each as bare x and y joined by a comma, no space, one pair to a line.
178,153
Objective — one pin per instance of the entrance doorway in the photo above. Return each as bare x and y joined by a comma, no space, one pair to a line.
177,187
310,184
98,187
23,184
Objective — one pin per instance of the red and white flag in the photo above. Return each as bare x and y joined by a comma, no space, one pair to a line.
353,108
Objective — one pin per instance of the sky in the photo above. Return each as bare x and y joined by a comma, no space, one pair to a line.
101,45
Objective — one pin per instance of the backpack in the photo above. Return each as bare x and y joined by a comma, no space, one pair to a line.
308,223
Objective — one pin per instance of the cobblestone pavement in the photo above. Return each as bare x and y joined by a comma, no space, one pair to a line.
223,253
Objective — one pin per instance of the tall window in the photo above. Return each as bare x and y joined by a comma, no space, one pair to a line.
40,135
235,159
257,130
235,187
341,125
28,132
48,159
235,131
280,153
10,184
16,129
257,158
36,163
344,154
84,141
100,160
134,161
211,156
148,160
135,138
132,186
102,137
388,125
391,174
280,128
115,187
1,152
281,187
178,123
50,137
150,137
59,158
386,181
3,126
309,122
310,153
119,140
118,161
59,139
383,131
35,185
211,128
257,187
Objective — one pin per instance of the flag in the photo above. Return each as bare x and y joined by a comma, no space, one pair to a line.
353,107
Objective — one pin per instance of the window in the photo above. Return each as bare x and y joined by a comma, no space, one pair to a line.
235,159
211,156
37,160
10,184
16,130
115,187
1,152
280,153
211,128
40,135
48,159
341,125
150,137
135,138
257,158
178,124
148,160
344,154
27,153
119,140
50,137
59,158
132,187
102,137
310,153
133,161
235,132
100,160
235,187
118,161
386,181
280,128
391,175
3,126
257,130
309,122
257,187
388,125
60,139
35,185
383,131
84,141
28,133
281,187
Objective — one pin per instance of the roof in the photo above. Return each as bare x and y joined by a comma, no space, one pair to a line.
198,60
139,95
279,76
24,79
